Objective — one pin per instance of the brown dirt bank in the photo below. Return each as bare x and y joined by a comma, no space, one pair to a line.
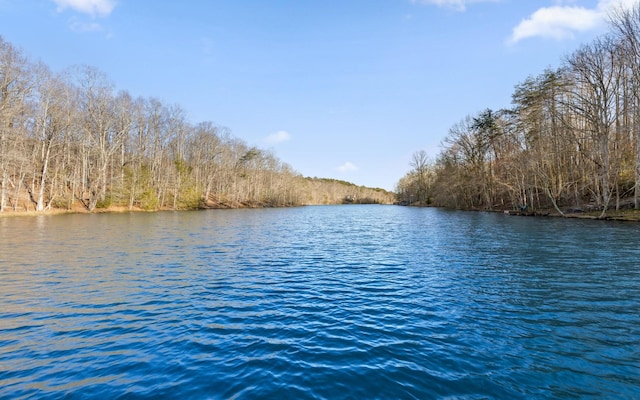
628,215
612,215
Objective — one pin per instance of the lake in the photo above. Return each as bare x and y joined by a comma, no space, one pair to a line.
319,302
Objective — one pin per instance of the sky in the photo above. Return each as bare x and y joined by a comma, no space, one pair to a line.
344,89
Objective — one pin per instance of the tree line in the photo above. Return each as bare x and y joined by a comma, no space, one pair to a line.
69,140
569,142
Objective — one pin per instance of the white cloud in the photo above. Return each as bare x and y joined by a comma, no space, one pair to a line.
556,22
278,137
91,7
347,167
459,5
562,22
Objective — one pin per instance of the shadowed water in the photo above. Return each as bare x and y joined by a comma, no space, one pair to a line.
320,303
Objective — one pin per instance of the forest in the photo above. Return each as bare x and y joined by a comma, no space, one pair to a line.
570,142
69,141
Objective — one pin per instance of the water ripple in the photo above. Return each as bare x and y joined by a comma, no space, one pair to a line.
319,303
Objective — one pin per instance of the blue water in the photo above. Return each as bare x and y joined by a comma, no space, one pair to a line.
335,302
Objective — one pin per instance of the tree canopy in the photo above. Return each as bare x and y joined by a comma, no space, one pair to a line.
69,140
570,140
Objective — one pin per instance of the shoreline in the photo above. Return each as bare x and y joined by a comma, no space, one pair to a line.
628,215
122,210
612,215
624,216
58,211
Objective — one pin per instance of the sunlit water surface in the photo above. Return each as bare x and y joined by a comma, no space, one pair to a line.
357,302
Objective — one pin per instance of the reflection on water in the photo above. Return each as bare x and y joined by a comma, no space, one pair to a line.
318,302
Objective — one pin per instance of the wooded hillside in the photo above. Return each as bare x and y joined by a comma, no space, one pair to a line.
68,140
571,139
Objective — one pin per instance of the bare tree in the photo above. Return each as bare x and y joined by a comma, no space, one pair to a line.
52,120
16,86
626,25
423,176
596,73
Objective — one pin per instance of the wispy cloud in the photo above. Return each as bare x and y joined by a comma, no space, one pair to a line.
278,137
78,26
458,5
564,21
91,7
347,167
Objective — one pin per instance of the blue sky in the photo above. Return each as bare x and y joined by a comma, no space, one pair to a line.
344,89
